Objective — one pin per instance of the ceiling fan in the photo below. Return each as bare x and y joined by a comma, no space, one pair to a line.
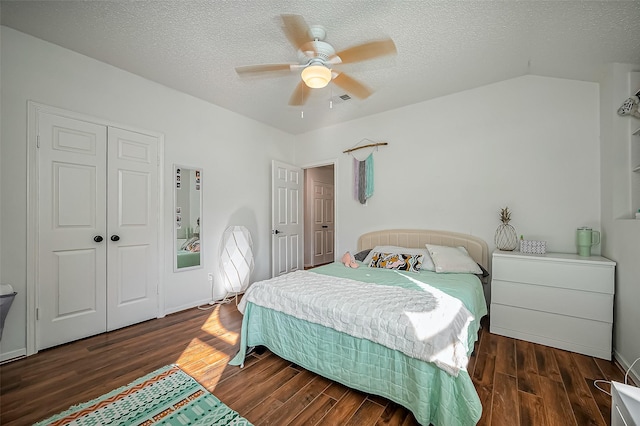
316,59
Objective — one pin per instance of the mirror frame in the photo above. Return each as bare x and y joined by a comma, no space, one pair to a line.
174,183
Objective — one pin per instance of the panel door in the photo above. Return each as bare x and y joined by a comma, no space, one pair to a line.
323,223
287,219
71,272
132,291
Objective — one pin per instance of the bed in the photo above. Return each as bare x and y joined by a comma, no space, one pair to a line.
188,258
436,391
189,253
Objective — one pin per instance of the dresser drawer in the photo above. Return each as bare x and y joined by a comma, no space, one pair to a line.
570,333
581,304
557,273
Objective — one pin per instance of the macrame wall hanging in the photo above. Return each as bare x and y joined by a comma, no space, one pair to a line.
363,169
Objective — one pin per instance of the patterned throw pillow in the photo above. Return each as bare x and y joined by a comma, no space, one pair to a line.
399,261
427,263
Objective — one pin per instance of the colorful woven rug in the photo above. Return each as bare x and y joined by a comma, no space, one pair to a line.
168,396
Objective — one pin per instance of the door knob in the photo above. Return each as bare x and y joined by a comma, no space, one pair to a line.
325,226
276,232
114,237
98,238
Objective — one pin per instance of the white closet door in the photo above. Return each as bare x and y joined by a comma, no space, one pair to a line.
71,274
97,229
132,227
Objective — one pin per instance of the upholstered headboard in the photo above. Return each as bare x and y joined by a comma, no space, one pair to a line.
417,238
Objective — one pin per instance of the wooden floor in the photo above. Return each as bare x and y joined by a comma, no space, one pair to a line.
519,383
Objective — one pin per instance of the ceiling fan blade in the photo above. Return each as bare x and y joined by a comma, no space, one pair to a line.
364,51
253,69
296,30
352,86
299,95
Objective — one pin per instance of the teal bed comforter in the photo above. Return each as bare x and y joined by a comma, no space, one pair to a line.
433,395
187,258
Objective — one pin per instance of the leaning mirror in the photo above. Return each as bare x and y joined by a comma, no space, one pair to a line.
188,212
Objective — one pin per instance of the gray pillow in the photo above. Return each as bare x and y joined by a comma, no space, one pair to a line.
360,256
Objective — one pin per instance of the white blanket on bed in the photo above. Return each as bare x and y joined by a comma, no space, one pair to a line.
429,325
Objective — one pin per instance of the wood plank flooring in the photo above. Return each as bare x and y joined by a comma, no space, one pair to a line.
519,383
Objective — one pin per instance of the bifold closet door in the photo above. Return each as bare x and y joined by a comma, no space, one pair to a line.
98,223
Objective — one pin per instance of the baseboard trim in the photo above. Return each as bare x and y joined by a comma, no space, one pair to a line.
13,355
181,308
624,365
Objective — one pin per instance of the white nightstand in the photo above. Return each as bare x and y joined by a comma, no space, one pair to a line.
556,299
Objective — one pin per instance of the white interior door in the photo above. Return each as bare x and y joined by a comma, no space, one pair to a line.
287,249
71,273
132,271
323,223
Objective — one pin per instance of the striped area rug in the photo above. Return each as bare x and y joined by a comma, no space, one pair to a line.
168,396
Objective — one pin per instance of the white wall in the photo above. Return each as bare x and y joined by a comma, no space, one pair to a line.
530,143
622,242
230,149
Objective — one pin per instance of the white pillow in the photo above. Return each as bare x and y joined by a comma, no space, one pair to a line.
427,263
452,259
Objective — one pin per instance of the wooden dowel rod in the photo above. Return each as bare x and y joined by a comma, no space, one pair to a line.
365,146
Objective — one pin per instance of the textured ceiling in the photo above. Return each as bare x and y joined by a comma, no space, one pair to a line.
443,46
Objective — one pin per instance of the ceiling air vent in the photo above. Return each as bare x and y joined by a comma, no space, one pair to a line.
337,100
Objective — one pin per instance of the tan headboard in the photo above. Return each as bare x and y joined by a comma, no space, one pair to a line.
417,238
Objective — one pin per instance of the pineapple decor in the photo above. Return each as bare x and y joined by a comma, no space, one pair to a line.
506,237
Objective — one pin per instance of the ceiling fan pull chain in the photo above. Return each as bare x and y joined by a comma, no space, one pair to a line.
331,98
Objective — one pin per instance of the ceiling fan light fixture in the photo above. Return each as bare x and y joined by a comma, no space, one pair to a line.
316,76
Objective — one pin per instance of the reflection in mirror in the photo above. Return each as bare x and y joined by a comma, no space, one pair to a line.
187,211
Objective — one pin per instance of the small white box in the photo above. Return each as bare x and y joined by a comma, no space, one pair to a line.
532,246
